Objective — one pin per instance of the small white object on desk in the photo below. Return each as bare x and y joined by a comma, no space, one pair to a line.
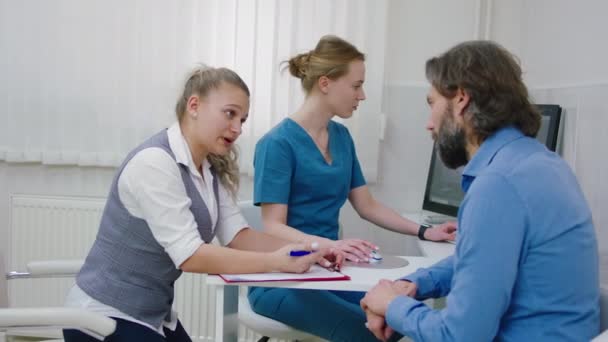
375,257
379,262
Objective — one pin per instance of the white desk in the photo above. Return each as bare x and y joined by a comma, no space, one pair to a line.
362,279
438,250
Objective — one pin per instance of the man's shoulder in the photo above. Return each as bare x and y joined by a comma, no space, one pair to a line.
530,171
525,156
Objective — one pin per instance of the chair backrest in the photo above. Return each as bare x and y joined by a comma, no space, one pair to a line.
252,214
3,285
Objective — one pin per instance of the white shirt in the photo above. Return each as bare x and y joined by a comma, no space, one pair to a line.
151,188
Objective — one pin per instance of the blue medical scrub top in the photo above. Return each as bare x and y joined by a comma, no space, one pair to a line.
290,169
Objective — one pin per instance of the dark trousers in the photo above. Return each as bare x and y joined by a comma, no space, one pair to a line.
127,331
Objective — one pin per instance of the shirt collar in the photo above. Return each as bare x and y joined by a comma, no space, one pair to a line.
486,152
181,150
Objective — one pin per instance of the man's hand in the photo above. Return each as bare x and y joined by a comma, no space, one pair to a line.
379,297
377,325
405,288
376,301
442,232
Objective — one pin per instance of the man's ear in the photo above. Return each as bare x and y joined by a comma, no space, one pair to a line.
461,101
323,83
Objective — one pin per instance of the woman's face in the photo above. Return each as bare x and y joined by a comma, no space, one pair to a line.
345,93
219,117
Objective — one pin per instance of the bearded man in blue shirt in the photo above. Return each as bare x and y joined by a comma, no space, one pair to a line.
525,267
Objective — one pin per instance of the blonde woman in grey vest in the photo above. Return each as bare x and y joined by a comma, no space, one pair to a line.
170,197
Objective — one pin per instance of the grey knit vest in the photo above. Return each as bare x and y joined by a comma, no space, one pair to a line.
127,268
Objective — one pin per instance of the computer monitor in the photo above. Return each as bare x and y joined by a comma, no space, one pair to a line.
443,192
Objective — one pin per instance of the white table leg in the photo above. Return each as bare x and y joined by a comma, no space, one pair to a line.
226,307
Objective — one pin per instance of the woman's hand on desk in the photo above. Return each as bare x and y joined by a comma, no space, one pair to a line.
442,232
283,262
356,250
332,259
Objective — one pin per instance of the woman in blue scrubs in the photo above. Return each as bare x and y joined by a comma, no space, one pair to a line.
305,169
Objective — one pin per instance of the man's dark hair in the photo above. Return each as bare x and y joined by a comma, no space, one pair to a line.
492,77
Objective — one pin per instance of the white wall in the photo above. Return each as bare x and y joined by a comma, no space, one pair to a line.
419,29
565,42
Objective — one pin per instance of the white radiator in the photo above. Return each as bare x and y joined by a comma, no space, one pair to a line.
43,227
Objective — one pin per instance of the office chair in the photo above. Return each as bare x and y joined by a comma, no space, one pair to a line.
44,323
267,327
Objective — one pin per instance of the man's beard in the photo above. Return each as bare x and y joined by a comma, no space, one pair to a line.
451,141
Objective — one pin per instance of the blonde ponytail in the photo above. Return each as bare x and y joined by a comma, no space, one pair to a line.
226,168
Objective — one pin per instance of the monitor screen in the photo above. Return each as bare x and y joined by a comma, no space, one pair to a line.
443,193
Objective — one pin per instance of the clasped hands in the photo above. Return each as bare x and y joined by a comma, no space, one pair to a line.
376,301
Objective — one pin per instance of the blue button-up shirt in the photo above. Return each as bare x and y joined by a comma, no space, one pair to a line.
525,266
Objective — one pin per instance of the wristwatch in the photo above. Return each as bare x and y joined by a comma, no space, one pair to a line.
421,230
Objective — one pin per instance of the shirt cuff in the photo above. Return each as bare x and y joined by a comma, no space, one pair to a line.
424,283
230,226
397,312
187,246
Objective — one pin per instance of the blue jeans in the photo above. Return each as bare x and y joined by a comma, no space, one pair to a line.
332,315
127,331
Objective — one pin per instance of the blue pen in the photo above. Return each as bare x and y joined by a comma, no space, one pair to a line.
299,253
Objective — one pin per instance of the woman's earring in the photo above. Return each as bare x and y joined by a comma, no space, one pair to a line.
194,115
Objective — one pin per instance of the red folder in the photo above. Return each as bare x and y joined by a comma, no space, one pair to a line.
316,273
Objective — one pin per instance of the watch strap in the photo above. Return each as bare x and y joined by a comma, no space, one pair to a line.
423,227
